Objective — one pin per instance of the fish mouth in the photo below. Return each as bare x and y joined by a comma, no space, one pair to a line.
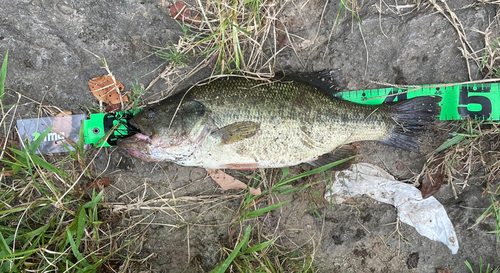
137,146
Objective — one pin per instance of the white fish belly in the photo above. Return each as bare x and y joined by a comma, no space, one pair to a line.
283,145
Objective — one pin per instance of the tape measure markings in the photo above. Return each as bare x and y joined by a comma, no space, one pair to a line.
460,101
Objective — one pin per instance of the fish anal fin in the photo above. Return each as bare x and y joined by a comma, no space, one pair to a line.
237,131
340,153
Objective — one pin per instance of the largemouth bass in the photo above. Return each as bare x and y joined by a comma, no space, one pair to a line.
243,124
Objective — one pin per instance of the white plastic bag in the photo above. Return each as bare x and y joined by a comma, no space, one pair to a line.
428,216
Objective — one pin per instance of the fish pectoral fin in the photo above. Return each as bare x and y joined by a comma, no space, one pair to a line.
340,153
236,131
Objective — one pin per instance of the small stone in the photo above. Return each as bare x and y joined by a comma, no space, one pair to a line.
400,165
65,9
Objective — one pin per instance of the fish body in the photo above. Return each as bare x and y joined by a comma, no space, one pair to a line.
242,124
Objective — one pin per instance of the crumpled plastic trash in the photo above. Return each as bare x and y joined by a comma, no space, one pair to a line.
428,216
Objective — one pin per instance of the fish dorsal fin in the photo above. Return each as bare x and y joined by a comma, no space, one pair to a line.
328,81
340,153
237,131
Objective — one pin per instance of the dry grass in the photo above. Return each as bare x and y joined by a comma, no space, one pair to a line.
490,59
234,37
474,151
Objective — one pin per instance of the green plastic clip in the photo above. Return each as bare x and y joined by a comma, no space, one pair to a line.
105,129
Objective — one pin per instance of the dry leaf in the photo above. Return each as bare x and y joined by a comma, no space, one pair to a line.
433,178
282,36
105,90
100,183
64,113
110,107
227,182
443,271
55,111
181,12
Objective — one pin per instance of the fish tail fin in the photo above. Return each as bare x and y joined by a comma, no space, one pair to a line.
411,117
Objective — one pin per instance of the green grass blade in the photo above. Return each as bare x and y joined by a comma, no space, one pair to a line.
75,250
4,247
286,172
36,232
81,227
49,167
337,20
3,75
95,199
31,148
81,142
15,209
314,210
240,29
18,255
286,189
259,247
261,211
236,251
311,172
450,142
69,150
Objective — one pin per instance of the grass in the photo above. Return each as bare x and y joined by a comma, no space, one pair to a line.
494,209
173,56
47,221
233,37
254,259
3,75
465,154
352,7
496,270
490,58
41,230
241,36
137,94
245,253
262,257
234,32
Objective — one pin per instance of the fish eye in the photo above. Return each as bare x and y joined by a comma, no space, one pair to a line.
150,113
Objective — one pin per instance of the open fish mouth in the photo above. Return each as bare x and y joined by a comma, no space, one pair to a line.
134,140
137,146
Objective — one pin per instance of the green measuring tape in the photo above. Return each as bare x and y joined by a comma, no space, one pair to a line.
460,101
